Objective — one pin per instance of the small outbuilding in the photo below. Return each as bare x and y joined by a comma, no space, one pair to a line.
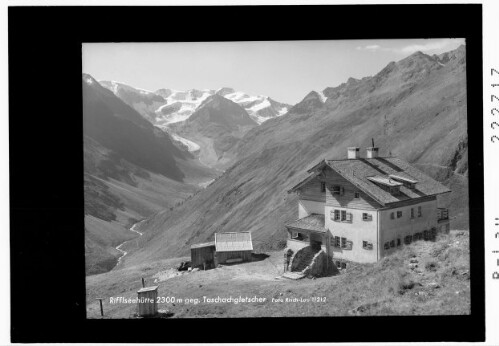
233,247
203,255
228,247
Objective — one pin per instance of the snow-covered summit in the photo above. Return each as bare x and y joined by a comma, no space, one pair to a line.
181,104
172,105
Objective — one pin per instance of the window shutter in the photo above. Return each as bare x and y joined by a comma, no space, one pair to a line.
349,217
331,214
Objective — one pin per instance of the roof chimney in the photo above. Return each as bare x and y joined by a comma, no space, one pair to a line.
353,153
372,152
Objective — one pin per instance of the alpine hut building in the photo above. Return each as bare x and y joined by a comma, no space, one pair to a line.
362,209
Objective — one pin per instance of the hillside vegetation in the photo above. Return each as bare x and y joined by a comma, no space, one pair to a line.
131,171
424,278
414,109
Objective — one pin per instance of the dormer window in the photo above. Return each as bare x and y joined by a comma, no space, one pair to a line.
407,182
387,184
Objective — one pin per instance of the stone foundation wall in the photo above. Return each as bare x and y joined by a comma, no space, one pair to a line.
321,265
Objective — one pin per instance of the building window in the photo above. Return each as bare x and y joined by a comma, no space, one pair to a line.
420,212
335,215
343,215
343,243
412,213
323,187
387,245
336,190
399,214
392,215
392,243
408,239
367,245
337,242
357,195
367,217
399,242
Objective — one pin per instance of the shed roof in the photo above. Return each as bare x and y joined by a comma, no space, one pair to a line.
233,241
147,289
312,222
200,245
359,172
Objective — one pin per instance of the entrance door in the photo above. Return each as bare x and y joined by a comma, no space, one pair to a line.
315,241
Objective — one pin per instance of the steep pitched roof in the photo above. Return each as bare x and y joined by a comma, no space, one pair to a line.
313,222
233,241
360,172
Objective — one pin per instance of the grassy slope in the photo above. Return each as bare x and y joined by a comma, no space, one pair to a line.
421,120
132,170
385,288
146,198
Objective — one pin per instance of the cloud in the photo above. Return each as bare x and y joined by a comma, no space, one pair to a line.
431,46
372,47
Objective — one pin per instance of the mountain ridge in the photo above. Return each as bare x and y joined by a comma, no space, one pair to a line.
165,106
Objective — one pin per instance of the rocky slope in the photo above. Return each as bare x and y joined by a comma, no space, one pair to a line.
132,170
414,109
218,124
143,101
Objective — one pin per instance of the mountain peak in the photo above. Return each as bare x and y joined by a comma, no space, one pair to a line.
88,79
225,91
218,109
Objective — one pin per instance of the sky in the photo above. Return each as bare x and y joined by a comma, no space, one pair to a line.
284,70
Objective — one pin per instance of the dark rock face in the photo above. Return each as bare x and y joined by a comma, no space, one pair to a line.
116,126
219,110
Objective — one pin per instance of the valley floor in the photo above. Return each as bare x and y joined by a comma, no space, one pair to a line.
424,278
